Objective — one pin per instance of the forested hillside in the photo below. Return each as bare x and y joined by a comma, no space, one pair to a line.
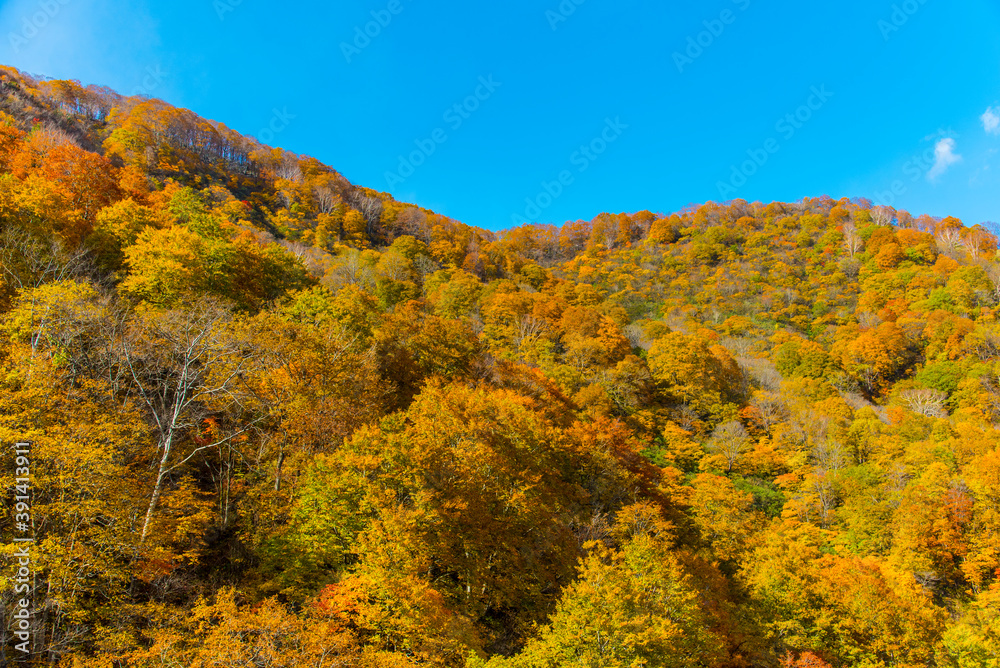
278,419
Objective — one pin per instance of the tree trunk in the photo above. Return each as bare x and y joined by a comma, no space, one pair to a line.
277,470
157,489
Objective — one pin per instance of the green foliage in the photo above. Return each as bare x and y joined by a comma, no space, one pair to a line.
767,498
942,375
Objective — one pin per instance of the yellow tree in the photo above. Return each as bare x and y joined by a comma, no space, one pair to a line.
88,466
725,516
853,611
466,486
634,606
690,372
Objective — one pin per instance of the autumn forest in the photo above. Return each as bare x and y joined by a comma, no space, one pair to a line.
278,419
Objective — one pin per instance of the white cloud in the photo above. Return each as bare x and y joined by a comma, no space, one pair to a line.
991,121
944,157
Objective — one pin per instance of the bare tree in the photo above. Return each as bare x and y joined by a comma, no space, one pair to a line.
930,403
289,168
528,329
949,242
978,242
883,215
853,243
730,440
183,365
326,199
371,210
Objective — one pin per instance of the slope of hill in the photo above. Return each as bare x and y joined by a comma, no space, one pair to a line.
277,419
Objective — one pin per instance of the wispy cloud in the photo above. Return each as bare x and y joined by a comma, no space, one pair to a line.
991,121
944,157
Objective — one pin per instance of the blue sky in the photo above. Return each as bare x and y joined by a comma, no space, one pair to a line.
565,109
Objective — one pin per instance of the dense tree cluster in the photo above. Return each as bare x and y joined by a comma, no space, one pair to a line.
282,420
